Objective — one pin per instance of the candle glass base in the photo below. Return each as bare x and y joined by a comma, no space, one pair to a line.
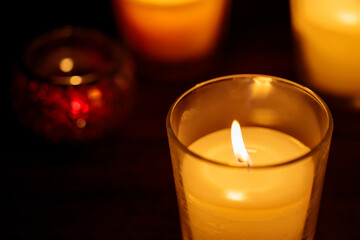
274,199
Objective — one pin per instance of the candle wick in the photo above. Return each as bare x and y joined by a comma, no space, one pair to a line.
246,162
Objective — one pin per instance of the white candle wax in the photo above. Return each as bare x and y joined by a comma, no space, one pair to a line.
328,32
232,203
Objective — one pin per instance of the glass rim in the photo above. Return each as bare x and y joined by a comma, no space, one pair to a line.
305,90
62,35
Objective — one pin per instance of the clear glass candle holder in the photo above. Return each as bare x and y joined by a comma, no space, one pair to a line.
73,84
287,131
327,34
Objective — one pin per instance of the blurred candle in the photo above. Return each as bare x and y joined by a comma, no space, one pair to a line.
171,30
73,84
328,33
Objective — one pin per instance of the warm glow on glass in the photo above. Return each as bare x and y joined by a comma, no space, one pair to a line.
75,80
263,81
241,155
80,123
262,86
348,18
66,64
94,94
236,196
78,106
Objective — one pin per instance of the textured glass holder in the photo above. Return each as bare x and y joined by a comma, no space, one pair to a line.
73,84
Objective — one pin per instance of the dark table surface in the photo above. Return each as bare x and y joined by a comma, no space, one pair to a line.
121,187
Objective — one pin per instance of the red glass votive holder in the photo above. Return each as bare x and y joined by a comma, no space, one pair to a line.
73,84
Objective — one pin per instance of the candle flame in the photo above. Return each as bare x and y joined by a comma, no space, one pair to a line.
241,155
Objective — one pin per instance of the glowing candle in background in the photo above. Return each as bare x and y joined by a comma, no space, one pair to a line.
171,30
269,189
328,34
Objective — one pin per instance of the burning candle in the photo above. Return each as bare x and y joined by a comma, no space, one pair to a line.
328,33
171,30
266,186
249,204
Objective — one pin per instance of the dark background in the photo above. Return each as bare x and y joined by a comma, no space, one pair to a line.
121,187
